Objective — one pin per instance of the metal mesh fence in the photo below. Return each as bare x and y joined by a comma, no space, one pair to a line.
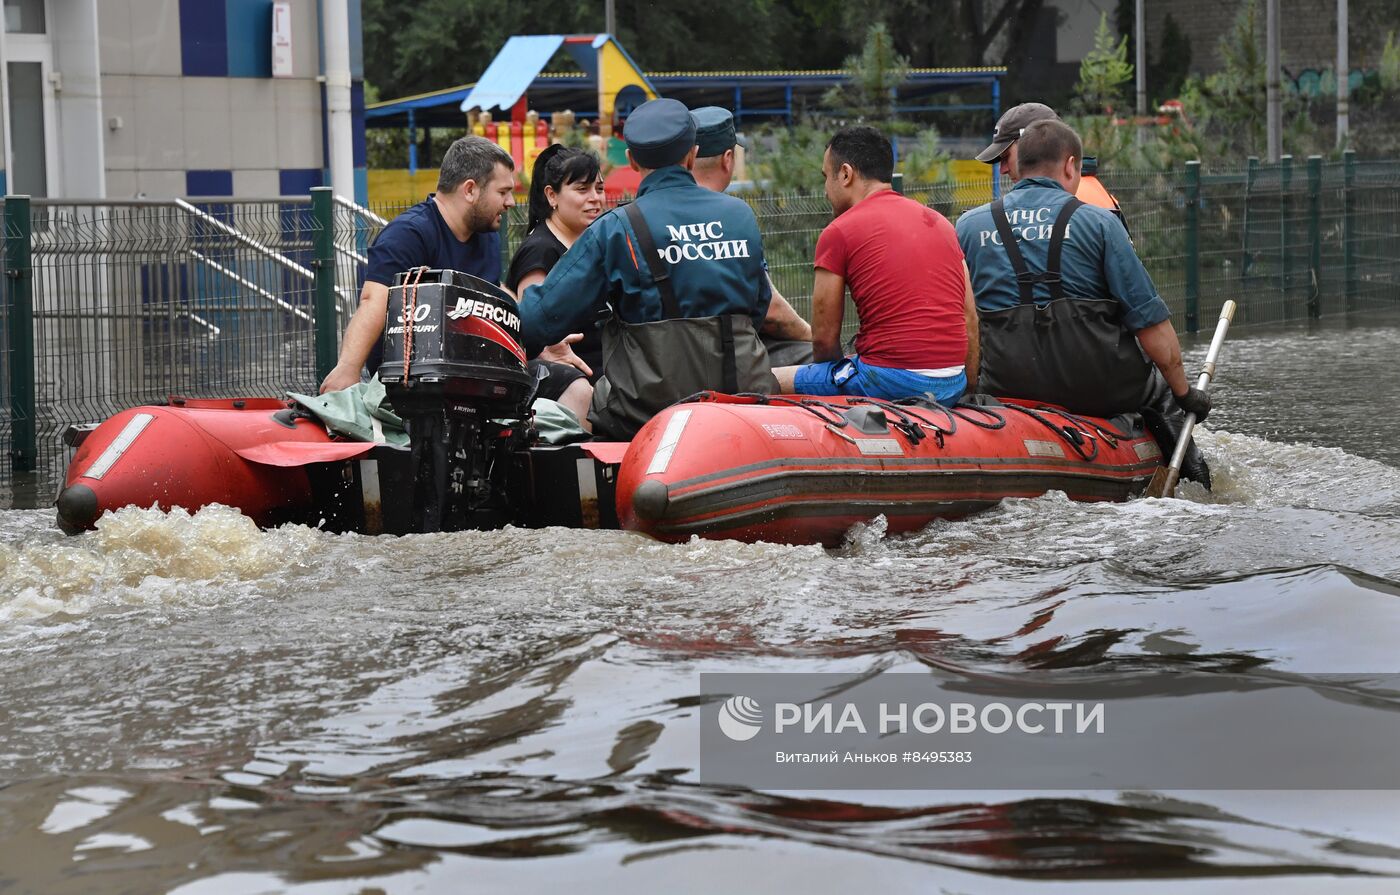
1275,238
136,300
355,229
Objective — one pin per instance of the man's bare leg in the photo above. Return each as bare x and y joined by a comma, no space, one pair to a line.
577,397
786,377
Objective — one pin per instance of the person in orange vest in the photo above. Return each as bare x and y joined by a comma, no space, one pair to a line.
1002,152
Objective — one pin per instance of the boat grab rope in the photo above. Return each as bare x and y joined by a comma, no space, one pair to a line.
1106,432
832,415
1082,435
911,424
410,309
1074,437
999,421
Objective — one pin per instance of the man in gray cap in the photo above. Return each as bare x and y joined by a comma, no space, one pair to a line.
682,271
1010,126
1068,314
1004,154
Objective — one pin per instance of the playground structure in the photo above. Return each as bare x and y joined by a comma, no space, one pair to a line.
619,86
525,108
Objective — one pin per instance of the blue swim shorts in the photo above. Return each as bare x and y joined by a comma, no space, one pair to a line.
852,376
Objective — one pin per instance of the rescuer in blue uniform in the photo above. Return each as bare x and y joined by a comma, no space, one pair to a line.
682,271
1068,314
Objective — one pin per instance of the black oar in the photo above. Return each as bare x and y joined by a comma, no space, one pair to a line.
1163,482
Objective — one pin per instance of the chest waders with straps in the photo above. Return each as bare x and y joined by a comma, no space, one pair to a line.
649,366
1070,351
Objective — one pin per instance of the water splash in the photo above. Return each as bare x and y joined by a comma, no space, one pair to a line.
147,557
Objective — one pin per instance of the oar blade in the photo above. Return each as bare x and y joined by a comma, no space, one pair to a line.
1163,483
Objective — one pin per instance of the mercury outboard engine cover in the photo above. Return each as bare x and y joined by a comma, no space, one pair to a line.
455,371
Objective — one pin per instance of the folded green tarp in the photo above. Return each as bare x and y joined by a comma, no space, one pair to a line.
363,412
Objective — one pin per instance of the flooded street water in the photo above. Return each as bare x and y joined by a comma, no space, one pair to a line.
192,705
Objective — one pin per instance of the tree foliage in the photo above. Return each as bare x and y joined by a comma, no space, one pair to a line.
1166,74
1228,109
431,44
1104,71
1389,69
875,74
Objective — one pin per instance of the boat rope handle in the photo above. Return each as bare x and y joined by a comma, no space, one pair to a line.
985,411
1106,432
911,424
409,311
1075,440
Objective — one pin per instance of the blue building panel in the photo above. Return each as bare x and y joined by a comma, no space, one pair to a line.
299,181
208,183
358,150
249,35
362,186
357,53
204,38
325,127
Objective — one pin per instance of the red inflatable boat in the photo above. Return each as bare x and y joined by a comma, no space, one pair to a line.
804,470
787,469
248,453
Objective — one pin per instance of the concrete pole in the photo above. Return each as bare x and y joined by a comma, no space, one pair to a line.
1140,62
335,37
1343,77
1274,96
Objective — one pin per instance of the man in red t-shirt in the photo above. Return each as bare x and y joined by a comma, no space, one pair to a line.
905,270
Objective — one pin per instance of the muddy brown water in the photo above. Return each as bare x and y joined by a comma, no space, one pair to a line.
192,705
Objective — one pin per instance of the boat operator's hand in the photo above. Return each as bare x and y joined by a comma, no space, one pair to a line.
339,378
1195,401
563,353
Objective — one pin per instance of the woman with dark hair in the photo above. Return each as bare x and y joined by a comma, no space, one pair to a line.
566,195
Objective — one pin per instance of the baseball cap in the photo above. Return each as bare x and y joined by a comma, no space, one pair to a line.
1010,125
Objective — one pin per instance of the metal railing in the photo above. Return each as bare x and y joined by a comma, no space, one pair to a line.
131,301
112,303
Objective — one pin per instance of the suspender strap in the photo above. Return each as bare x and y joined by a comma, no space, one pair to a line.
660,270
1025,280
726,346
1057,244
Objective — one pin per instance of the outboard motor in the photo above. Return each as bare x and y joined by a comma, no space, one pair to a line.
455,371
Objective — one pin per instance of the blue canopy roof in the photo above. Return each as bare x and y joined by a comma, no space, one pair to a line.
510,74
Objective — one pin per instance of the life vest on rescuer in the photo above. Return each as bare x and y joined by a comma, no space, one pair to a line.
1071,351
1092,191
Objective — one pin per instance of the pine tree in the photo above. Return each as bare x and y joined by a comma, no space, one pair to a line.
874,76
1173,61
1104,71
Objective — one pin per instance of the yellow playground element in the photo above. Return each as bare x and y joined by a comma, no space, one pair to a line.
496,106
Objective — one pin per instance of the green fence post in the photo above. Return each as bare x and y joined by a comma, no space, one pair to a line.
323,264
1285,234
898,183
1314,236
1349,229
1193,246
1251,173
19,295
